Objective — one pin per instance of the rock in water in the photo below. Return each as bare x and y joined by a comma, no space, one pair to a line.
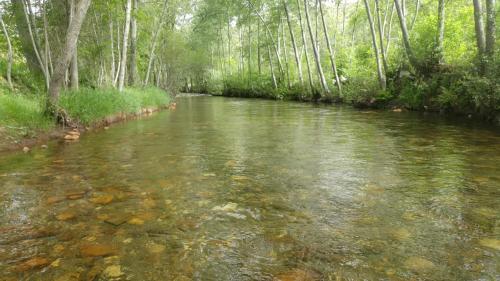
96,250
33,263
67,215
102,199
490,243
26,149
419,264
71,137
113,271
297,275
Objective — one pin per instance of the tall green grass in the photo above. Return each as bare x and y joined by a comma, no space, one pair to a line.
87,106
23,113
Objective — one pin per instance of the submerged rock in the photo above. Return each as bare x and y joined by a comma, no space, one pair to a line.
33,263
97,250
67,215
229,207
26,149
102,199
297,275
113,271
490,243
418,264
136,221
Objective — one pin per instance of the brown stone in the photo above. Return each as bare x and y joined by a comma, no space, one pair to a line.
97,250
297,275
71,137
75,195
66,215
33,263
102,199
55,199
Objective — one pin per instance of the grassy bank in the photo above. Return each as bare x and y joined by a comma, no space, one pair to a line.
449,91
22,116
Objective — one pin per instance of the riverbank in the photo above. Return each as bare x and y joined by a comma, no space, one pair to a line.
449,92
23,123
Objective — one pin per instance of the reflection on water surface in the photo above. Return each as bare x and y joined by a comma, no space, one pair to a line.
229,189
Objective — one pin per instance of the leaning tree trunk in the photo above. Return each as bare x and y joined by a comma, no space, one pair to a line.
330,51
64,58
273,76
9,54
381,77
294,44
404,31
156,32
381,37
304,45
440,33
315,50
133,46
126,30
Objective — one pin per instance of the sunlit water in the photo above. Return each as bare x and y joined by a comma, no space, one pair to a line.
230,189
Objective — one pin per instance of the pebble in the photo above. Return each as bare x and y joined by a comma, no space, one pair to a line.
26,149
67,215
418,264
113,271
33,263
136,221
44,146
96,250
102,199
490,243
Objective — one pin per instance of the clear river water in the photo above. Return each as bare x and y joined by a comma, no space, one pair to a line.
232,189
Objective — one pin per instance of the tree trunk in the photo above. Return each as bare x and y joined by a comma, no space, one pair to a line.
304,46
155,39
417,8
480,37
294,44
133,45
64,58
381,37
381,77
74,79
126,31
330,51
41,63
490,28
404,31
440,33
113,66
315,50
270,36
9,54
273,76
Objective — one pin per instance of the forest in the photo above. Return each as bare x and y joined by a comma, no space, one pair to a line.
419,55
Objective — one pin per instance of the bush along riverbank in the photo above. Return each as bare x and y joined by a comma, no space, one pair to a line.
449,91
24,123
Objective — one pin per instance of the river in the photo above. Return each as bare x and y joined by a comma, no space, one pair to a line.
234,189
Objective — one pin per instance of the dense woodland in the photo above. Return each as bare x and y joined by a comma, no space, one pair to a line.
436,55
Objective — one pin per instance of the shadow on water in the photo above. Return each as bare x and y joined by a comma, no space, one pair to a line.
231,189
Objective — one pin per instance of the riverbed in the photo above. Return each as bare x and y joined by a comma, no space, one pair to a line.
238,189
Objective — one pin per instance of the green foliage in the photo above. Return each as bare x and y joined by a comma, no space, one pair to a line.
88,106
24,114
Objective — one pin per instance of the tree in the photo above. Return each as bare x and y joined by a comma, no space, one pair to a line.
321,75
330,51
123,64
294,44
404,32
66,54
133,45
381,76
440,33
9,54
